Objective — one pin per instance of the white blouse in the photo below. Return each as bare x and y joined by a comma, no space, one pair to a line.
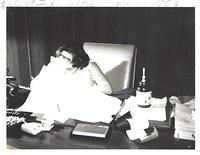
58,90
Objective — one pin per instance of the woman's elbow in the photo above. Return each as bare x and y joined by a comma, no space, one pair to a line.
108,92
107,89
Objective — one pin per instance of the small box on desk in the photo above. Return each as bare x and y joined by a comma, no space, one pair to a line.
91,131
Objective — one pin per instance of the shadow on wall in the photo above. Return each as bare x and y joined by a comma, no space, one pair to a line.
118,76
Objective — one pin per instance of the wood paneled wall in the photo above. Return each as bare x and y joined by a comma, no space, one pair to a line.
165,38
17,50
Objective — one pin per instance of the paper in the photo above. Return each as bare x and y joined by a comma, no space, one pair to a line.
152,136
156,111
184,134
184,117
35,128
137,123
141,135
136,134
90,106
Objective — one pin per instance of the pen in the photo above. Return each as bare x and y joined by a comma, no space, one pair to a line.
118,113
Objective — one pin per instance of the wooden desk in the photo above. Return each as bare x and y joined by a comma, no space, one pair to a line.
59,138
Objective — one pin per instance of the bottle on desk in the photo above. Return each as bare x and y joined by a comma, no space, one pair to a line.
143,92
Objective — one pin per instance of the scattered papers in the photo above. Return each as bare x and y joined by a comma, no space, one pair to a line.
141,117
183,118
136,134
156,111
35,128
90,106
138,123
141,135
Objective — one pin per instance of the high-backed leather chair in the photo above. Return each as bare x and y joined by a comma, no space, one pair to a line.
117,61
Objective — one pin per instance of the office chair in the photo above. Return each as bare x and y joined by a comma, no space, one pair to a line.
117,62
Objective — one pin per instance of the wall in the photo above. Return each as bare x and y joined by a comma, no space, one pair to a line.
165,38
17,55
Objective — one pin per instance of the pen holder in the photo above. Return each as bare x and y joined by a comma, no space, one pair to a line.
121,123
126,115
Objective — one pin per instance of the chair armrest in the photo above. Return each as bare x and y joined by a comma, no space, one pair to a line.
124,93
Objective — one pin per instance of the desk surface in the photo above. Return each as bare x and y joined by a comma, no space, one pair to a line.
59,138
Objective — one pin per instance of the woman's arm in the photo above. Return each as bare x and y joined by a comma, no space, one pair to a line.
98,76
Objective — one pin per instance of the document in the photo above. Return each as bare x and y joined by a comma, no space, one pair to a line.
184,117
141,135
157,110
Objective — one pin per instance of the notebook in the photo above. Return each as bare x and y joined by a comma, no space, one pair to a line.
91,130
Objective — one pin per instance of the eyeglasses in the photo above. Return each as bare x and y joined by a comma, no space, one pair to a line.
64,57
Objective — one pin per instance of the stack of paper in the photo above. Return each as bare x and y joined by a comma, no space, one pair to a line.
165,109
157,110
184,122
144,118
158,114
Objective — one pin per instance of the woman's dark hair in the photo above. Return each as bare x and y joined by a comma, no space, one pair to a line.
80,59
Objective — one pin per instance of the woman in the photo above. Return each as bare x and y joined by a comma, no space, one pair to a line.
76,60
73,85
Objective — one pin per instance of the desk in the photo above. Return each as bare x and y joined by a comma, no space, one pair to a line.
59,138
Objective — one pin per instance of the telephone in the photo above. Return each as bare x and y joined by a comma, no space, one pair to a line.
12,88
16,94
